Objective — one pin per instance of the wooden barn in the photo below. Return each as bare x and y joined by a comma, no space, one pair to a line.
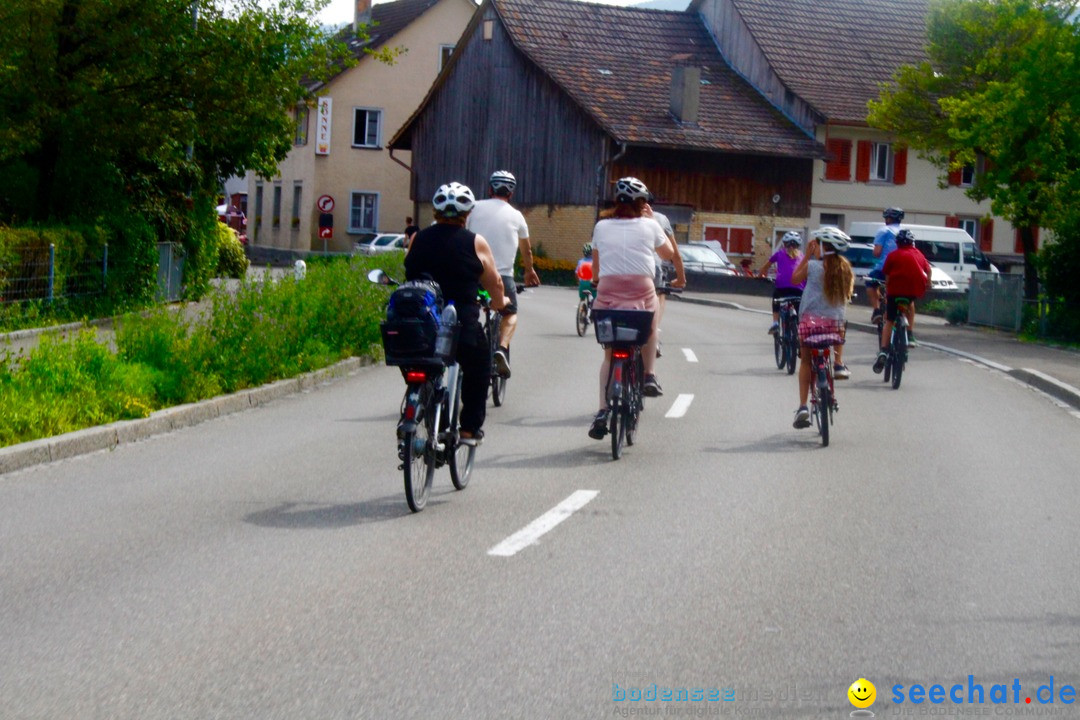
570,96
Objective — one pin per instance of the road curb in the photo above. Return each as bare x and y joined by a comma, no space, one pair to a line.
1039,380
107,437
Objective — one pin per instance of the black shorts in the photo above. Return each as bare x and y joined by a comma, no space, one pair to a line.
778,294
890,305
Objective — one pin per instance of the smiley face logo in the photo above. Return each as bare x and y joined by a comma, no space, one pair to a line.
862,693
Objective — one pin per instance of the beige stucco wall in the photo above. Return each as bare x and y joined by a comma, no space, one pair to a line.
397,91
924,202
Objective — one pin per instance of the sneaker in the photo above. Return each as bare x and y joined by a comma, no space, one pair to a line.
879,364
652,388
802,418
599,425
841,372
658,353
774,328
473,439
911,341
875,317
502,362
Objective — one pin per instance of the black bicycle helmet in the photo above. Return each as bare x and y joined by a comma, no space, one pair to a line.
893,214
905,237
586,250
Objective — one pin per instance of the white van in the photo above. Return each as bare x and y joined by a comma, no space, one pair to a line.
950,249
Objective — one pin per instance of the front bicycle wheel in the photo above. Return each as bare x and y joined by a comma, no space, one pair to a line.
899,355
498,382
418,463
461,457
582,318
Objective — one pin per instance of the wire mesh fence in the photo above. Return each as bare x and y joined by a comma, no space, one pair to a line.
35,274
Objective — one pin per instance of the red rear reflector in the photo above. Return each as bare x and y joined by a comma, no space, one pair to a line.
416,376
620,354
410,412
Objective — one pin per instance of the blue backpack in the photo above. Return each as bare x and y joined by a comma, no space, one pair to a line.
412,322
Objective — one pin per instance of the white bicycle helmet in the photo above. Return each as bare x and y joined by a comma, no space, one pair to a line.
832,236
453,200
629,189
792,238
503,180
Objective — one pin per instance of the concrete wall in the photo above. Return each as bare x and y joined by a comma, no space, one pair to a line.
397,91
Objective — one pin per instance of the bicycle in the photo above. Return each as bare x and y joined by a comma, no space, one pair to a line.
786,339
625,332
897,356
428,436
583,316
492,326
819,335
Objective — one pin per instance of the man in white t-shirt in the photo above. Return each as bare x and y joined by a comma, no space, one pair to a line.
663,273
506,231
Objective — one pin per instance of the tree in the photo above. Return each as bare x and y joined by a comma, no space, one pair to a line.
1000,90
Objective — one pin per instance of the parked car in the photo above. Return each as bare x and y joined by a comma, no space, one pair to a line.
861,257
703,259
950,249
383,242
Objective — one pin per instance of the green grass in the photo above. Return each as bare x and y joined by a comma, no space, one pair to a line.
265,331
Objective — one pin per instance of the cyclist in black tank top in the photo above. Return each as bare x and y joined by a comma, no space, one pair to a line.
461,262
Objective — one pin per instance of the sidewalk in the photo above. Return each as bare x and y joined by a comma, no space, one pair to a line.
1054,371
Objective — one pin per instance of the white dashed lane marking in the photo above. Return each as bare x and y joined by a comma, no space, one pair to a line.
532,532
690,356
680,406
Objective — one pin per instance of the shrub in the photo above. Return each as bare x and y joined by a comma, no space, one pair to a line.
957,312
232,262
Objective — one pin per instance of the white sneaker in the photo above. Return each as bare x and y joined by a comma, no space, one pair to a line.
502,363
802,418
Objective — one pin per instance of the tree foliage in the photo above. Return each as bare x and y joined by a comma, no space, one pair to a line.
132,107
1000,90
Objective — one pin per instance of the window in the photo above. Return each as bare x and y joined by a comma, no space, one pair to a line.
363,212
834,219
258,207
301,117
970,226
734,240
967,177
366,122
939,252
297,194
276,214
445,51
881,162
838,162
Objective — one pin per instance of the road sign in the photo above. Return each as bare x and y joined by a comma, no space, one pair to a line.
326,233
325,203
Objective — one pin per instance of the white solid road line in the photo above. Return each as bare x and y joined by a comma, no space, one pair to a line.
690,356
532,532
680,406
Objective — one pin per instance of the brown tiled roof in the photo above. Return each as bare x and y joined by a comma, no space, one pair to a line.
834,53
615,62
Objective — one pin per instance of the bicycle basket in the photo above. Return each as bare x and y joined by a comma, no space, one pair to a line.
622,327
820,332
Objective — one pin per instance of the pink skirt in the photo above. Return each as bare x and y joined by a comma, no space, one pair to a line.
626,292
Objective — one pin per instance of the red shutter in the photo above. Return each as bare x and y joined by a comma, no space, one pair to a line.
741,242
1035,239
986,235
862,162
717,233
952,221
838,164
1018,244
900,167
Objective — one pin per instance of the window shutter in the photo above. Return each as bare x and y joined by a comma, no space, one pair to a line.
1035,238
862,161
741,241
986,235
838,167
900,167
952,221
1018,244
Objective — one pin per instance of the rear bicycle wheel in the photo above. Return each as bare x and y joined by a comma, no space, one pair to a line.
791,339
498,382
617,428
418,464
634,397
582,317
824,410
779,350
899,356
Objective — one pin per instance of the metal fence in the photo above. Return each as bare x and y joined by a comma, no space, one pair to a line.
35,275
996,299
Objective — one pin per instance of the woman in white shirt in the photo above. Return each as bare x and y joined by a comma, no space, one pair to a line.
624,262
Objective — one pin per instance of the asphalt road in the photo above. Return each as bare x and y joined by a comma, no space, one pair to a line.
265,565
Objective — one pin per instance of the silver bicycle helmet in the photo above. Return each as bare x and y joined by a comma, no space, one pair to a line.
453,200
893,214
502,180
834,237
905,237
629,189
792,238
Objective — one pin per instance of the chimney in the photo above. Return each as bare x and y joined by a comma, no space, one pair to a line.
685,93
362,16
